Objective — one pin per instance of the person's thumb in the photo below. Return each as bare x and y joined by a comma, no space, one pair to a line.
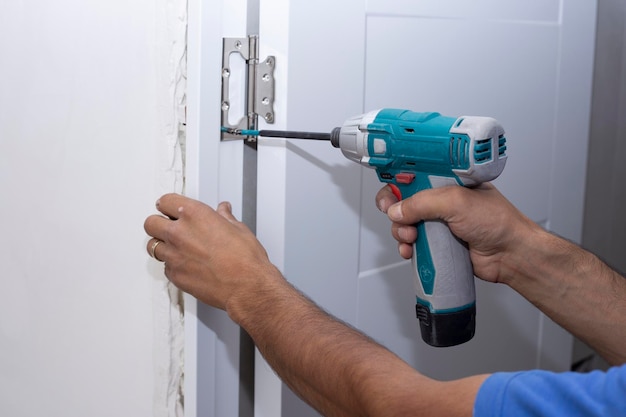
430,204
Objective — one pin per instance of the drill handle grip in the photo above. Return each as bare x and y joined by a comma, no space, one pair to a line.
444,286
443,278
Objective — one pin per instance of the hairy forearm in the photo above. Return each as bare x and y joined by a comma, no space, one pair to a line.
337,369
575,289
317,356
299,341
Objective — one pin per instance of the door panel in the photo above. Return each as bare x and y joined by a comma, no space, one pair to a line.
504,76
481,10
514,61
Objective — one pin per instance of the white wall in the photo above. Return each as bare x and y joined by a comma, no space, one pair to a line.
88,132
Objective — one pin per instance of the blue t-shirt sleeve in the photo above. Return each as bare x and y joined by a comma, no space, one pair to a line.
547,394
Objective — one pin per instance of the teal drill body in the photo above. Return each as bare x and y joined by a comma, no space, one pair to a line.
415,151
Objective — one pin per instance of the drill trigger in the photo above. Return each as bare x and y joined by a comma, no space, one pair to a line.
396,191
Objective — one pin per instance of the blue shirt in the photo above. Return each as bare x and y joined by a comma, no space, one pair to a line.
544,394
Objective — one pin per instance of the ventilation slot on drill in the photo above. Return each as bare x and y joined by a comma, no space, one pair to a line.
501,146
459,152
482,151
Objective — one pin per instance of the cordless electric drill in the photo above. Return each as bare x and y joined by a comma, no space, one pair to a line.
415,151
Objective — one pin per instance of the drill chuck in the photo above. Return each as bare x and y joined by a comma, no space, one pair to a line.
334,137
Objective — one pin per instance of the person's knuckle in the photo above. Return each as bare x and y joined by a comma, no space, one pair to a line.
457,196
191,208
172,233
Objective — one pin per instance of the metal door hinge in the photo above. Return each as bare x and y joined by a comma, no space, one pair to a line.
259,87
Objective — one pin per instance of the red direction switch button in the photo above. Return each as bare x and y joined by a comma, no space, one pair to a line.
405,177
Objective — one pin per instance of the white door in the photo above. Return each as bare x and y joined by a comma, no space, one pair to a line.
526,63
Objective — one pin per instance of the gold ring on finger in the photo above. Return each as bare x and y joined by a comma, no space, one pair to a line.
153,249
